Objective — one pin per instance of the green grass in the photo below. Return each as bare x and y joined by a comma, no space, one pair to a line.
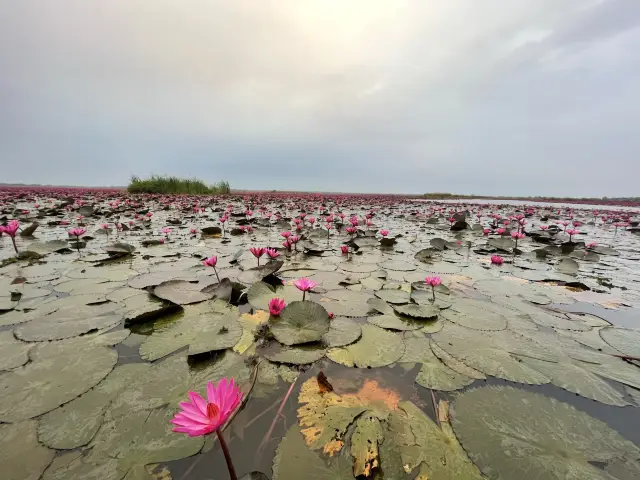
175,185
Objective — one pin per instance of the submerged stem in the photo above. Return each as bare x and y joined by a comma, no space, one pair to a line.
227,456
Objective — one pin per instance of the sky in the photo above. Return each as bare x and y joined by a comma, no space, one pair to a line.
494,97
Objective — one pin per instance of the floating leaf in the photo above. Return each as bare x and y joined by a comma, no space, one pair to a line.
294,460
624,340
55,375
67,322
300,322
376,348
433,373
260,294
205,327
13,353
342,331
423,312
395,296
21,456
495,428
298,355
394,322
181,292
345,303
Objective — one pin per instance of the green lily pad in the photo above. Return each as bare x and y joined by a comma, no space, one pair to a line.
346,303
495,428
394,296
398,265
394,322
479,320
422,312
298,355
205,327
21,456
55,375
260,294
181,292
13,353
294,459
342,331
624,340
144,307
67,322
376,348
300,322
433,374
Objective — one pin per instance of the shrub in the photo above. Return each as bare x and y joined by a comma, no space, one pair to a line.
174,185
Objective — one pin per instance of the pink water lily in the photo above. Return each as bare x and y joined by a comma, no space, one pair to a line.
199,417
11,229
304,284
272,253
344,249
258,252
433,282
384,233
212,262
497,260
276,305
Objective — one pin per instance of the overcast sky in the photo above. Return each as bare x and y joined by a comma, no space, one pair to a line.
524,97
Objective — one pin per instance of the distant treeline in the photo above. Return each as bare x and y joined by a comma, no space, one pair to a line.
631,201
174,185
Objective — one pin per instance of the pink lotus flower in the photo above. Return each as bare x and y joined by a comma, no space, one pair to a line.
384,233
571,232
311,220
544,227
199,417
517,235
258,252
351,230
287,244
285,234
11,228
276,305
500,231
161,240
193,231
497,260
104,226
332,315
591,245
210,262
344,249
166,231
149,215
76,232
272,253
304,284
433,281
486,231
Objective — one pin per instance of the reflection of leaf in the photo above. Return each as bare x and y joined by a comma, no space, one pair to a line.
495,427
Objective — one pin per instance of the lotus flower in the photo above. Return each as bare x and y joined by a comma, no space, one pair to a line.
258,252
304,284
591,245
344,249
571,232
193,231
434,282
500,231
285,234
497,260
76,232
11,229
332,315
384,233
544,227
276,305
351,230
272,253
211,262
486,231
199,417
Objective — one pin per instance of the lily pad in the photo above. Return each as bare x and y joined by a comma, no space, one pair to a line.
206,327
298,355
495,428
376,348
260,294
422,312
398,265
55,375
342,331
624,340
13,353
433,373
21,456
346,303
294,459
181,292
300,322
394,322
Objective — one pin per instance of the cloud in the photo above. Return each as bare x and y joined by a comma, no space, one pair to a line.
521,97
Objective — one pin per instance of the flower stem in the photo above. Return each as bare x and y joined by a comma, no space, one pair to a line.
216,272
15,247
227,455
303,294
